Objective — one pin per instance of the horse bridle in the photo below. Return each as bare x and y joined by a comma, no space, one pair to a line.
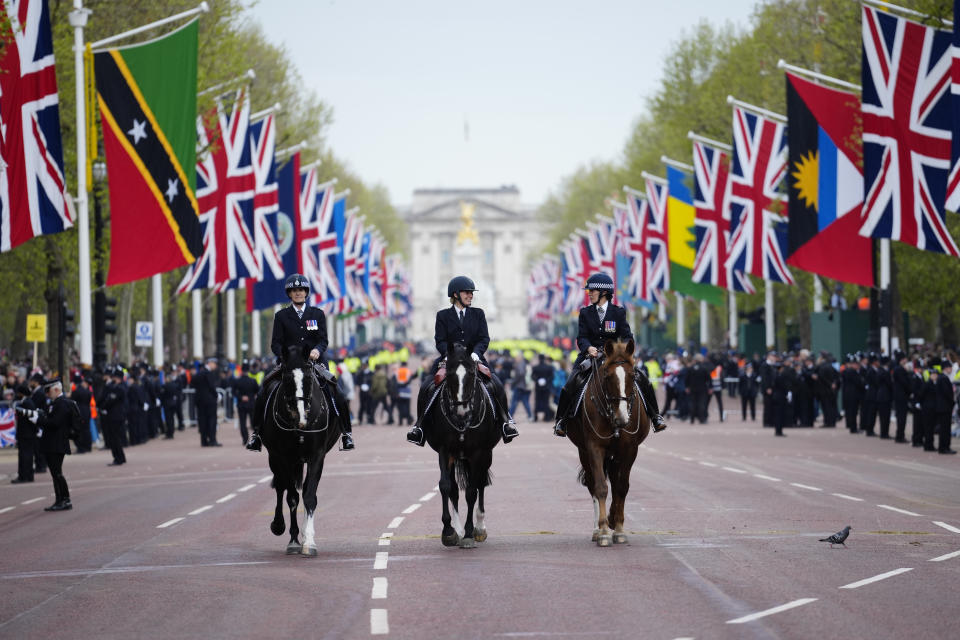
461,429
282,424
606,403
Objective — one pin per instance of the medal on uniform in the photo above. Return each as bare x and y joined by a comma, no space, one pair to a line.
610,326
311,325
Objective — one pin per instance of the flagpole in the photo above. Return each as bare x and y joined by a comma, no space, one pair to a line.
250,74
768,314
681,323
232,325
708,141
704,325
78,19
760,111
203,7
733,334
676,164
816,75
157,308
259,115
884,305
817,294
197,310
255,349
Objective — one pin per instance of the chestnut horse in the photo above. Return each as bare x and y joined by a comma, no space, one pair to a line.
607,428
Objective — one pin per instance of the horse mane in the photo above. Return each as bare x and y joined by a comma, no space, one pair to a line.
612,347
294,358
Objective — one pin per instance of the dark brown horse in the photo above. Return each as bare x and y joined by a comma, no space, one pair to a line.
607,429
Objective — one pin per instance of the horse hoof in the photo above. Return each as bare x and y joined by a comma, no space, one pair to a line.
293,548
619,538
451,540
480,536
604,540
596,534
277,527
468,543
309,551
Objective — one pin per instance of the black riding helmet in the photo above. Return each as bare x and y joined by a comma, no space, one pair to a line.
296,281
601,282
458,284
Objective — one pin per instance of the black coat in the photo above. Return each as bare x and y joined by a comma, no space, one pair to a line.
944,394
170,393
205,383
698,378
884,382
542,371
902,386
26,430
82,397
112,404
852,386
56,425
592,334
309,332
472,333
748,385
246,386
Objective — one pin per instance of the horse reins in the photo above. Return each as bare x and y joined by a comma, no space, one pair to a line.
604,404
283,424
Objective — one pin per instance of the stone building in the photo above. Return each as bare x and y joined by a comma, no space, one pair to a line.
488,235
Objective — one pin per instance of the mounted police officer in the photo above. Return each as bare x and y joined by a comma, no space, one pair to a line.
461,322
599,322
304,326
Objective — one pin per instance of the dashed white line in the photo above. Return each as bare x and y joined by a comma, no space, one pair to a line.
945,556
264,479
380,562
32,500
169,523
379,588
246,488
805,486
846,497
427,496
707,464
412,508
686,459
395,522
5,509
763,477
948,527
733,469
876,578
384,540
200,510
770,612
229,496
903,511
378,622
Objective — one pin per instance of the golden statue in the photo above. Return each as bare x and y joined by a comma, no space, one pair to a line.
467,231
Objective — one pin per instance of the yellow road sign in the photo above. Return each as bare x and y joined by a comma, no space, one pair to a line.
36,327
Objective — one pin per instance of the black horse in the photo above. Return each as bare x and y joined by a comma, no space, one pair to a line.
299,426
462,426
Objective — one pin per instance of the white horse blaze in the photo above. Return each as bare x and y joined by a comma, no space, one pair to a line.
298,381
461,374
623,407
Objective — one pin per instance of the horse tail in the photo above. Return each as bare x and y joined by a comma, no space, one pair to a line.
462,475
582,476
582,473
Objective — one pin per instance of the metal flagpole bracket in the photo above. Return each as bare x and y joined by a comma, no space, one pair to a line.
300,146
652,178
634,192
907,12
710,141
259,115
248,75
676,164
78,17
760,111
816,75
614,204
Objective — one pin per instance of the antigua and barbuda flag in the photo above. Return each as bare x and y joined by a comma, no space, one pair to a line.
825,183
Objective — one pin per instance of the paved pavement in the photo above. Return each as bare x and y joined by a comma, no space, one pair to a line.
723,522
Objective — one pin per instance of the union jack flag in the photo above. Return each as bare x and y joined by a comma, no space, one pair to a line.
398,291
655,237
545,289
375,276
317,235
758,206
226,187
632,225
601,237
710,198
906,131
575,264
8,427
32,187
349,264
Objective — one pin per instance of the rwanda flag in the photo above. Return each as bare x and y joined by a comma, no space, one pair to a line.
148,107
825,183
682,238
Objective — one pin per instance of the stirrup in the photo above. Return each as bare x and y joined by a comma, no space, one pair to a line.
412,436
558,429
658,424
509,431
346,442
254,443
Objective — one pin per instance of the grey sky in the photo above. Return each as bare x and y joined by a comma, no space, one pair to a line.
542,87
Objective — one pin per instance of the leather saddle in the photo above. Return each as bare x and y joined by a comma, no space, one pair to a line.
441,373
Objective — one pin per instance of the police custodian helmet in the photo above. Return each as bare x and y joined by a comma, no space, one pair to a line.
296,281
458,284
600,281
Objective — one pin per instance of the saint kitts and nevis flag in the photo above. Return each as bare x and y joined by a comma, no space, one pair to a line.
147,95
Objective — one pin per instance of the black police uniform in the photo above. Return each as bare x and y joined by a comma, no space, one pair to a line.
748,386
82,397
55,444
902,393
112,406
542,376
828,380
26,441
852,394
884,399
783,383
205,384
868,403
245,386
945,402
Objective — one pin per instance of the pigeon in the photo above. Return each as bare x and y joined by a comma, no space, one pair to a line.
838,537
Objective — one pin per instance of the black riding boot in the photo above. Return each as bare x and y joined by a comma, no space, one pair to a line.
509,426
416,435
253,443
564,401
343,406
650,400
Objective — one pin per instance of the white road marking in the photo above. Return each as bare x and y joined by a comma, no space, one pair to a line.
763,477
945,556
411,508
378,622
65,573
877,578
380,562
168,523
379,588
903,511
948,527
805,486
686,459
395,522
32,500
734,469
383,542
846,497
200,510
5,509
246,488
770,612
428,496
707,464
264,479
229,496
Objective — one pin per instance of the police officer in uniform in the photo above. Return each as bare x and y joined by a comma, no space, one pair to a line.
26,435
246,388
56,423
112,405
599,322
852,391
304,326
461,322
902,395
